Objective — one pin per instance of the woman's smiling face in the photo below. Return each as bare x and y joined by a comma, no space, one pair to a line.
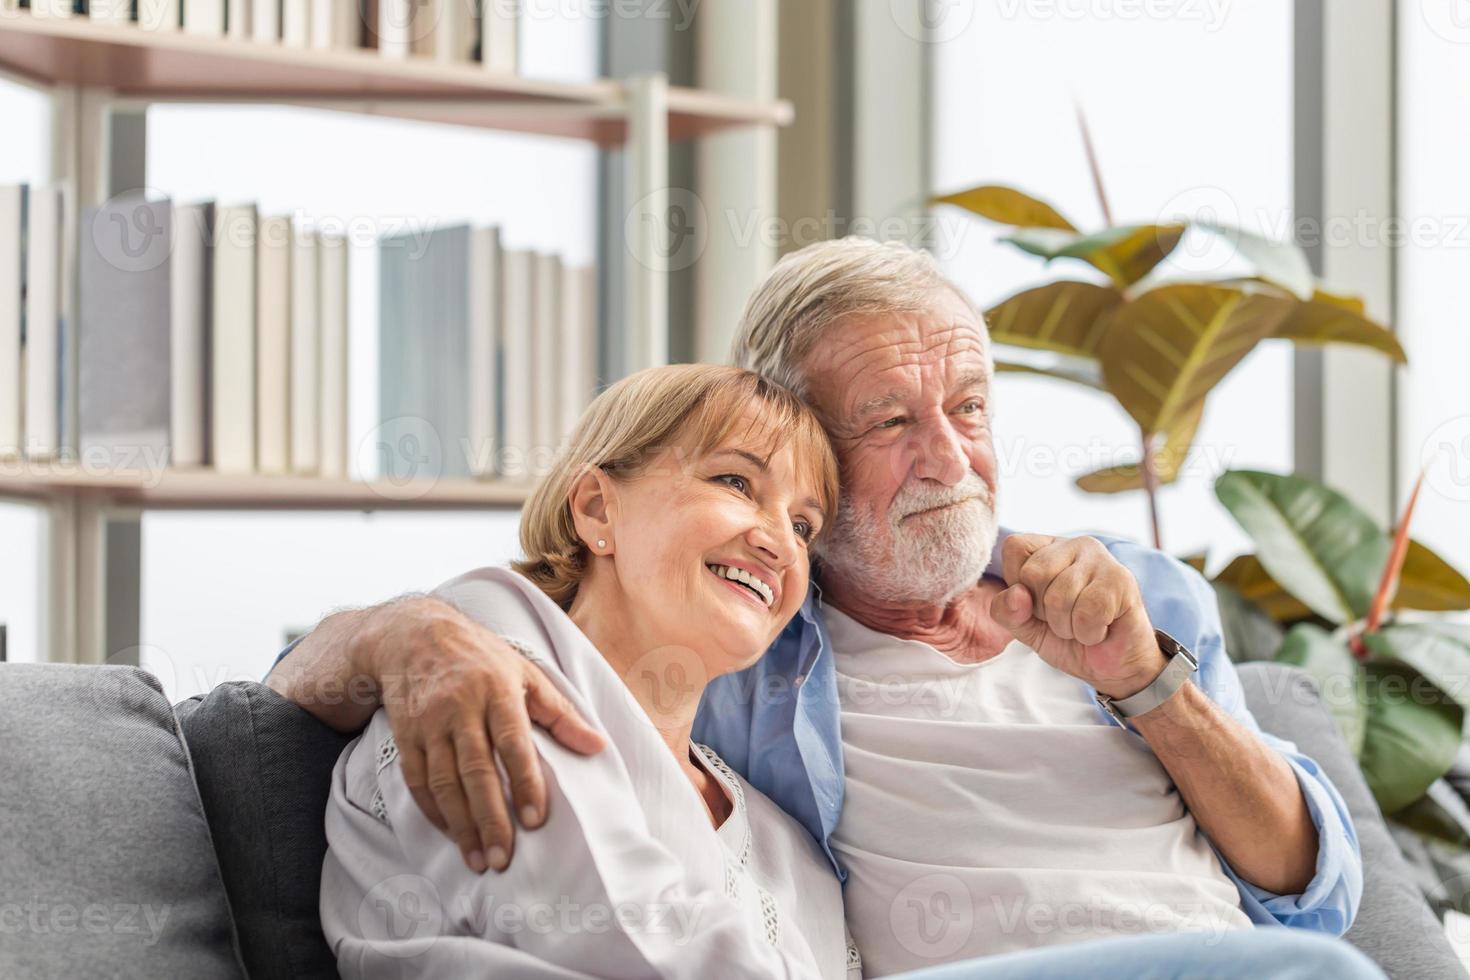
709,549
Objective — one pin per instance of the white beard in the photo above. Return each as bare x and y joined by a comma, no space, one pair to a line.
931,559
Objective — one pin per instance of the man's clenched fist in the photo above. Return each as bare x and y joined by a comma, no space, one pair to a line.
1078,607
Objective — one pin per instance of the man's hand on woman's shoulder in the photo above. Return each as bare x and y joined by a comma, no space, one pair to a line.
456,696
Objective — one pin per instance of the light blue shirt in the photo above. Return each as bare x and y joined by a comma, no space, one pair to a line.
778,724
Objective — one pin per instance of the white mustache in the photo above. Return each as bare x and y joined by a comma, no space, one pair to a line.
919,497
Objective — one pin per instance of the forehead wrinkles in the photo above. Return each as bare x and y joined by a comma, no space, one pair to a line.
863,364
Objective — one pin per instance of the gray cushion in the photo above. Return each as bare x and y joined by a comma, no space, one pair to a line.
264,768
1394,925
106,866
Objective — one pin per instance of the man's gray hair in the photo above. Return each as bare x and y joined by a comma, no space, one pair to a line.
813,288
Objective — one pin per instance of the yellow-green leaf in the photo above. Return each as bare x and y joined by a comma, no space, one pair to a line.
1065,317
1125,254
1246,575
1168,460
1331,319
1007,206
1430,583
1163,352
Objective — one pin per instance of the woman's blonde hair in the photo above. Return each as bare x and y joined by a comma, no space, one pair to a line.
629,423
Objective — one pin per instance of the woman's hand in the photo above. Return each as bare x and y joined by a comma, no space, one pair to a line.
457,696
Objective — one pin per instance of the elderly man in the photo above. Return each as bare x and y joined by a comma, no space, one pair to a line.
1002,740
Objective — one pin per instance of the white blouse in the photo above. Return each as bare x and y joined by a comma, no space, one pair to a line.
625,879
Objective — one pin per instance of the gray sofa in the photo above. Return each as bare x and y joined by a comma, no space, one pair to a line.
140,840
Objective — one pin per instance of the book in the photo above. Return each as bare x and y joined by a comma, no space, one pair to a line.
395,28
578,345
265,16
484,343
239,18
423,350
445,30
296,23
159,15
232,368
332,291
517,411
204,17
124,334
43,323
334,24
499,41
12,283
110,11
190,280
546,357
273,346
305,383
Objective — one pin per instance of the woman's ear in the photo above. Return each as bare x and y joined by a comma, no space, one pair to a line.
592,498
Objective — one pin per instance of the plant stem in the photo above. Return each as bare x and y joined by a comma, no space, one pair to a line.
1151,486
1102,197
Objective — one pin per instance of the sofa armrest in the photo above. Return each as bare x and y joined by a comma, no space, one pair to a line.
1395,925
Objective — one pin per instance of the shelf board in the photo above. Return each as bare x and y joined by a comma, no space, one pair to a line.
170,66
200,489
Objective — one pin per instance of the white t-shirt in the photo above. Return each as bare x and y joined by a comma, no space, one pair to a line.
988,811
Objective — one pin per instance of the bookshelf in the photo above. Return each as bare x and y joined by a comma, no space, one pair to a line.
93,72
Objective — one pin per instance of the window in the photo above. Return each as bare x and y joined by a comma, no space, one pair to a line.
1433,262
1189,114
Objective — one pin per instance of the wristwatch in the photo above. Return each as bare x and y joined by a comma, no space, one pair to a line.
1181,664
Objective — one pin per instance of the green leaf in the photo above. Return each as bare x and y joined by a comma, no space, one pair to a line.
1439,651
1163,352
1337,674
1326,318
1249,633
1125,253
1062,317
1413,732
1007,206
1246,575
1430,583
1168,460
1312,540
1283,263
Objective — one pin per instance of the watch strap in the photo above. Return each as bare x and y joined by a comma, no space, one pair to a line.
1175,674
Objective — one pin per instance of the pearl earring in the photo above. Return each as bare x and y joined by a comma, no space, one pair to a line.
601,543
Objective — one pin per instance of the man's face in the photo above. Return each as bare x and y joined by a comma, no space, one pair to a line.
907,401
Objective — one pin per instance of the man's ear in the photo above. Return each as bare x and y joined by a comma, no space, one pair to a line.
593,499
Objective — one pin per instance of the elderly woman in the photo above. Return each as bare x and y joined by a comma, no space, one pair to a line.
667,548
